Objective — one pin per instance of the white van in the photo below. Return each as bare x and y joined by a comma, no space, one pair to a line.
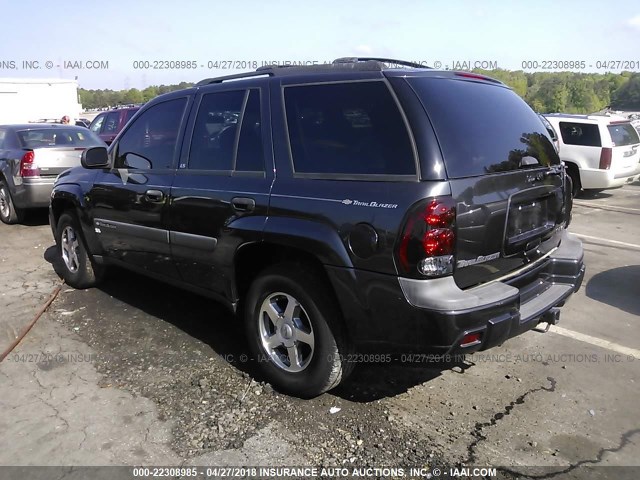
600,151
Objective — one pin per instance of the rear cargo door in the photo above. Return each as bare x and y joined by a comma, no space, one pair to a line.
505,175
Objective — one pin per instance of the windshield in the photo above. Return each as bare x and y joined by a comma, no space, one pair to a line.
58,137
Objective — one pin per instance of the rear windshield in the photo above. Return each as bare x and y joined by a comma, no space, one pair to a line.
483,128
58,137
623,134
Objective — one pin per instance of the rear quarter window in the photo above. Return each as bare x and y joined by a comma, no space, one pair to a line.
353,128
583,134
482,128
623,134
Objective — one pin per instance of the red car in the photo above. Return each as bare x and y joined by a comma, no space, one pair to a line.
108,124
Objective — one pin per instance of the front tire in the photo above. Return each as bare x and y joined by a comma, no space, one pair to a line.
295,331
76,267
9,214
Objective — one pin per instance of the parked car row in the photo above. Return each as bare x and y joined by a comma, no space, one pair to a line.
599,151
32,155
108,124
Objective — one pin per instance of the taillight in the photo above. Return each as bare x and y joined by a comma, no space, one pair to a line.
428,239
605,159
471,339
28,167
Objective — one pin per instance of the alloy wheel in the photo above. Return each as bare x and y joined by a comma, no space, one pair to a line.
4,204
286,333
69,246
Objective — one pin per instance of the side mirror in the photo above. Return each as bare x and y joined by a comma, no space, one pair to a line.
95,157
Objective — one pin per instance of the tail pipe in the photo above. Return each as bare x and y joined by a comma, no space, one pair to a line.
552,317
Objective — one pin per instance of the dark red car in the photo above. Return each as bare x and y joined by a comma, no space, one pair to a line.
108,124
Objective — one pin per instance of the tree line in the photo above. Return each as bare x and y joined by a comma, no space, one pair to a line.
545,92
91,99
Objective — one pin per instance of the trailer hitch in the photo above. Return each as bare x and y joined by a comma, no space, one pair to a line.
552,317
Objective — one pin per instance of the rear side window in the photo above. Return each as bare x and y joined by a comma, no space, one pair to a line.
3,134
584,134
250,157
225,137
623,134
347,128
483,128
214,135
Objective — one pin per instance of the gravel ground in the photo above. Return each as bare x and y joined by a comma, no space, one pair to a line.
181,364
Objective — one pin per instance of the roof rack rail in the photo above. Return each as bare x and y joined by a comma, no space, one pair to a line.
394,61
370,63
238,76
273,66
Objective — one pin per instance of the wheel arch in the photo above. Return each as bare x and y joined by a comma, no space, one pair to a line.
69,198
573,169
572,164
252,258
285,239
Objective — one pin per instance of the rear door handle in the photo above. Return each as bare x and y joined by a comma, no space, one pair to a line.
154,196
243,204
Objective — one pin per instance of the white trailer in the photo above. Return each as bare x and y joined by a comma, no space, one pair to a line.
24,100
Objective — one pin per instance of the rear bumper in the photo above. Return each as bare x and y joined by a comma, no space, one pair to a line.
435,315
33,193
596,178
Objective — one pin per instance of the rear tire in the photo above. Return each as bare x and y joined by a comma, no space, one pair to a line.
9,214
576,185
295,331
76,266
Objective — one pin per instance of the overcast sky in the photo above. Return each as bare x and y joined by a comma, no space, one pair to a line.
65,33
